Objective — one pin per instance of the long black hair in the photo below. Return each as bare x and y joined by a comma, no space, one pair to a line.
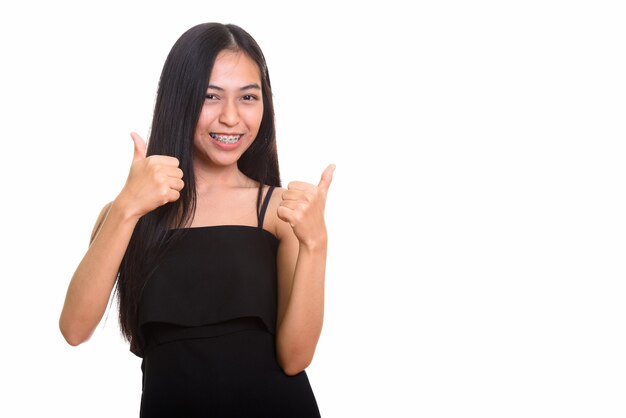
180,97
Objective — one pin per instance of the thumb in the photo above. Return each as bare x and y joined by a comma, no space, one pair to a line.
327,177
140,146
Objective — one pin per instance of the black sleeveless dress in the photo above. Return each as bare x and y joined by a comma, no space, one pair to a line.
207,320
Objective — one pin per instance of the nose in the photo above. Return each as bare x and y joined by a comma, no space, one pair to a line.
230,114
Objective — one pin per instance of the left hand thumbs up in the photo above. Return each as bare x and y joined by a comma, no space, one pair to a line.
327,178
302,206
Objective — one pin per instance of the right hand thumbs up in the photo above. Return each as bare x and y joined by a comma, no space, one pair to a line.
152,182
140,146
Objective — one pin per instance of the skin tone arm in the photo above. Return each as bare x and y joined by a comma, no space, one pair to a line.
152,182
301,269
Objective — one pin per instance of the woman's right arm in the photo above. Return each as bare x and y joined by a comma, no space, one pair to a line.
92,283
152,182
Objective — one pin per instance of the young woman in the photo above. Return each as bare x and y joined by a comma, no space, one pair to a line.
219,271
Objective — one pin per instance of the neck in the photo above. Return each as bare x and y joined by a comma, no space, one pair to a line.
216,177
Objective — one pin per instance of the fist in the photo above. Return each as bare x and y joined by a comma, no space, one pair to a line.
302,207
152,182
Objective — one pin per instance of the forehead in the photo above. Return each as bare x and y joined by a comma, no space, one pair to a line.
234,69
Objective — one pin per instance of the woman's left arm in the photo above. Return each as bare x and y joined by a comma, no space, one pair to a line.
301,268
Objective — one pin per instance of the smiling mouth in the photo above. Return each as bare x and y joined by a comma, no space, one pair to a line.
226,139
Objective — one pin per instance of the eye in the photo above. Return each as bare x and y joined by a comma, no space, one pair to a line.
249,97
210,96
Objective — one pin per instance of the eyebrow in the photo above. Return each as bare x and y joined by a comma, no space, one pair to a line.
246,87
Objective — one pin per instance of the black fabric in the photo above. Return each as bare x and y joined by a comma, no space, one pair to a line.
234,374
207,320
212,274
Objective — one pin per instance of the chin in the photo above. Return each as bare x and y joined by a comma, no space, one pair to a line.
225,162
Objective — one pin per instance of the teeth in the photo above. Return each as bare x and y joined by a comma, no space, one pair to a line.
226,139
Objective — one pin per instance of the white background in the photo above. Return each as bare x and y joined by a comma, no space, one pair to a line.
477,228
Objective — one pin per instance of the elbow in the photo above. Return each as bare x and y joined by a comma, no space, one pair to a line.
294,367
292,371
292,357
71,335
72,340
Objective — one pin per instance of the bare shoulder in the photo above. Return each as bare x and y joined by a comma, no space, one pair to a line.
101,217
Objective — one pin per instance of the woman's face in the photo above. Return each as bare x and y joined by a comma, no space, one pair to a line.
232,110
